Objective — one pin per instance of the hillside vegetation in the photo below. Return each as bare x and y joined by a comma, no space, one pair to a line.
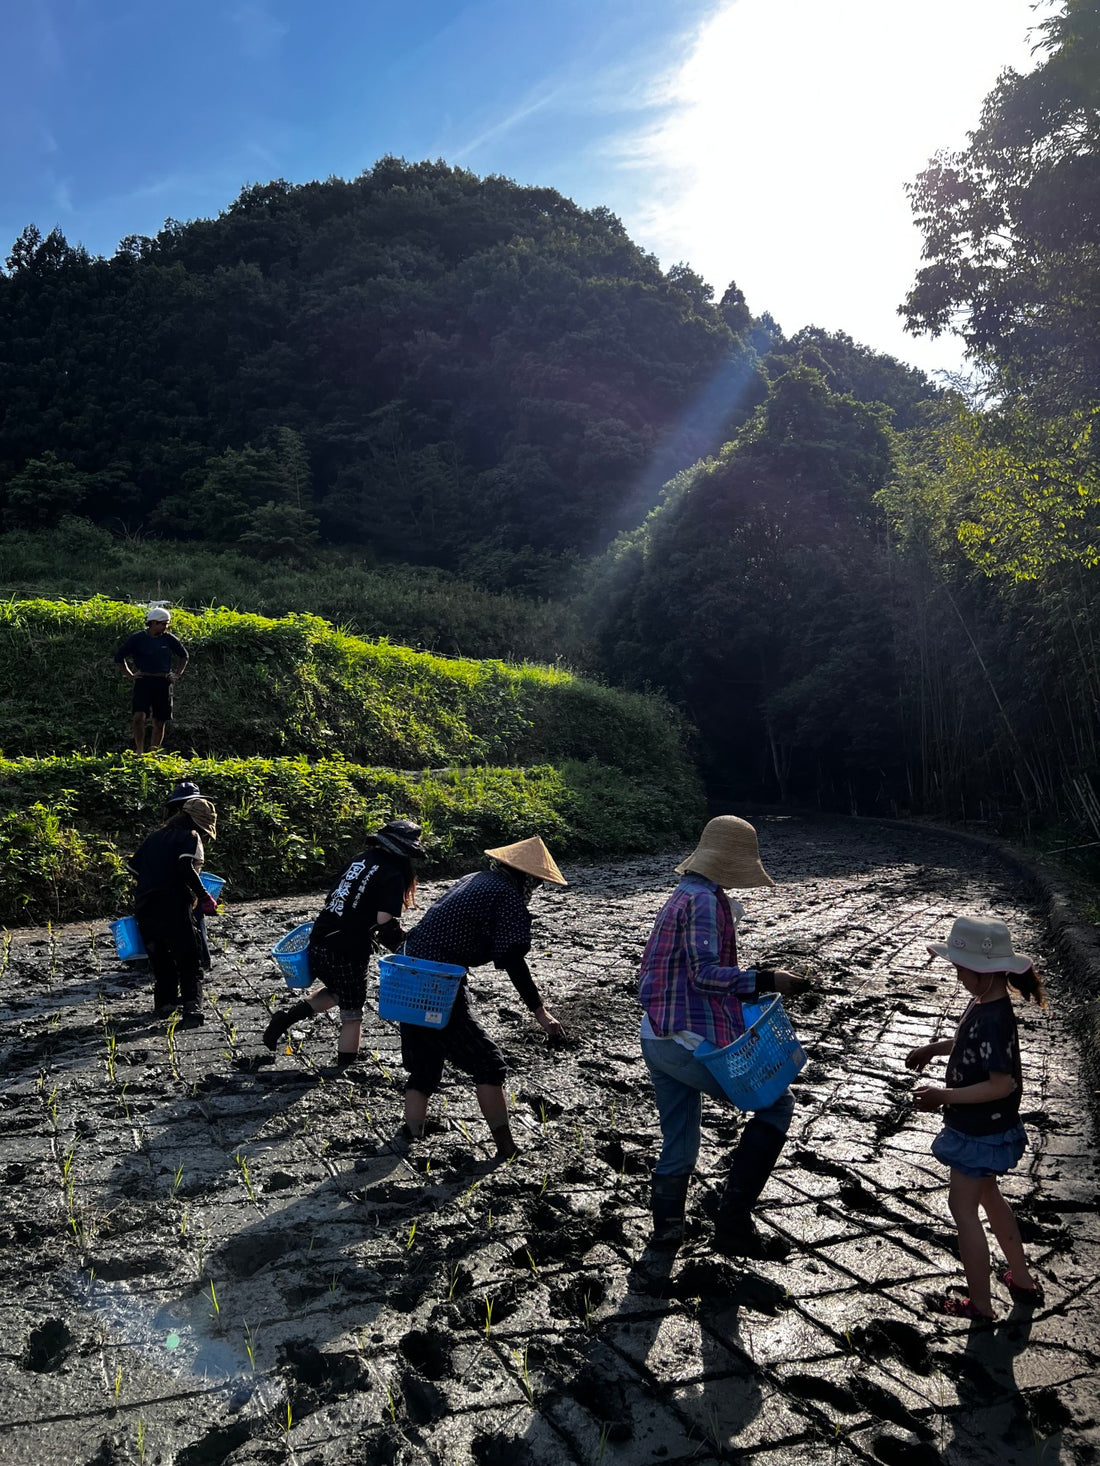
432,610
306,738
295,686
432,366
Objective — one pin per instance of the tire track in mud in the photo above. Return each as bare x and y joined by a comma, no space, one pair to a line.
193,1268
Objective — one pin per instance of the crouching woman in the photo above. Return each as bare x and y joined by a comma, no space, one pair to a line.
482,918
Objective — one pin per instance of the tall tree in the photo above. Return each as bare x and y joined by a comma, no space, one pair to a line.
1011,223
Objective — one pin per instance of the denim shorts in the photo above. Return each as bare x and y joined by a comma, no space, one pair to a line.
980,1155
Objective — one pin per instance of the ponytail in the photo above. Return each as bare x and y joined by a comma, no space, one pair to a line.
1029,985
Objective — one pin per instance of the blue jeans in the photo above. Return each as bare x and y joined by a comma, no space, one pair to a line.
679,1082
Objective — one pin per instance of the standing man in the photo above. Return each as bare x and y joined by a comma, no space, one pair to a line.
152,653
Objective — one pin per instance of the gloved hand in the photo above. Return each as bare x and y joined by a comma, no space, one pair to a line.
208,905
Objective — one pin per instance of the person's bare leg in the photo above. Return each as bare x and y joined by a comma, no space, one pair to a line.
324,1000
350,1036
1007,1232
964,1193
494,1106
416,1110
157,739
139,733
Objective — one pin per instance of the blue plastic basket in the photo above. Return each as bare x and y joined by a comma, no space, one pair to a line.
212,884
292,956
128,941
413,990
756,1068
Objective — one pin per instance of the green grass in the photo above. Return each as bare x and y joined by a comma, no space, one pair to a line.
68,822
258,687
417,607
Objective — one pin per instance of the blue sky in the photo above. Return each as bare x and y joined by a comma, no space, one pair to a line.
765,141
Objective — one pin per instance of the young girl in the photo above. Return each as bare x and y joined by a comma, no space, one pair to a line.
982,1135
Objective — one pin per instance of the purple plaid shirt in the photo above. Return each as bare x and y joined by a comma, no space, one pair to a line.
689,978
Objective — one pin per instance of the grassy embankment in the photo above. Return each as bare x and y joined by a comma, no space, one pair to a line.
413,605
306,737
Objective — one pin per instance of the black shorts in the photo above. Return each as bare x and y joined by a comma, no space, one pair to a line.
344,976
153,695
463,1041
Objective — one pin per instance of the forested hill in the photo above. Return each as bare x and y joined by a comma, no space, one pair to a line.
446,369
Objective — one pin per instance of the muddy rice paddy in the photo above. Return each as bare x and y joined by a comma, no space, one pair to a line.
193,1272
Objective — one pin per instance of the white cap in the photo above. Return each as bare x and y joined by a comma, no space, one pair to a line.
157,613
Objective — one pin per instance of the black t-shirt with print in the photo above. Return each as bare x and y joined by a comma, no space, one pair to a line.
482,918
986,1043
373,882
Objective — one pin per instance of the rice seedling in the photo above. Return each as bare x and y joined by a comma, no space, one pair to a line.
246,1177
524,1374
605,1436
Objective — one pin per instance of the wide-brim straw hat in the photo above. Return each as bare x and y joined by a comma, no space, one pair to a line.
203,814
532,858
981,946
727,853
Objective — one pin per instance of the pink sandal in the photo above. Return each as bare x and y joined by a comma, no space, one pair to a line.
1031,1296
963,1308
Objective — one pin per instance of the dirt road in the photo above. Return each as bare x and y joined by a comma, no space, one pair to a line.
194,1273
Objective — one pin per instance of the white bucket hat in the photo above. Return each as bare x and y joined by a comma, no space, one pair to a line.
981,946
157,613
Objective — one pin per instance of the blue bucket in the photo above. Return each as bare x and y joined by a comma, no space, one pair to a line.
292,956
756,1068
212,884
128,941
413,990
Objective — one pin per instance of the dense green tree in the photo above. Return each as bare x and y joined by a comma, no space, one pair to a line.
752,595
1011,225
475,370
856,371
43,492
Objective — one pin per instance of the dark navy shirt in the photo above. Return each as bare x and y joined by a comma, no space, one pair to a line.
482,918
151,655
986,1043
168,860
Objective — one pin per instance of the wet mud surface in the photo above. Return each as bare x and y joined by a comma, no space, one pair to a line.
193,1272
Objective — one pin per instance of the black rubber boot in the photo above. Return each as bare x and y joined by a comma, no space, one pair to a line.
735,1232
284,1020
668,1202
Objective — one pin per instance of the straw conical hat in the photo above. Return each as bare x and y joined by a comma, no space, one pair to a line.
727,853
532,858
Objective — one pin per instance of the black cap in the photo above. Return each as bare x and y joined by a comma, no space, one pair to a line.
401,837
186,789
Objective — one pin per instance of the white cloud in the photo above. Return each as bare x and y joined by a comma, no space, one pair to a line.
784,141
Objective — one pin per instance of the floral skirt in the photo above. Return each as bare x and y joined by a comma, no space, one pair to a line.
980,1155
